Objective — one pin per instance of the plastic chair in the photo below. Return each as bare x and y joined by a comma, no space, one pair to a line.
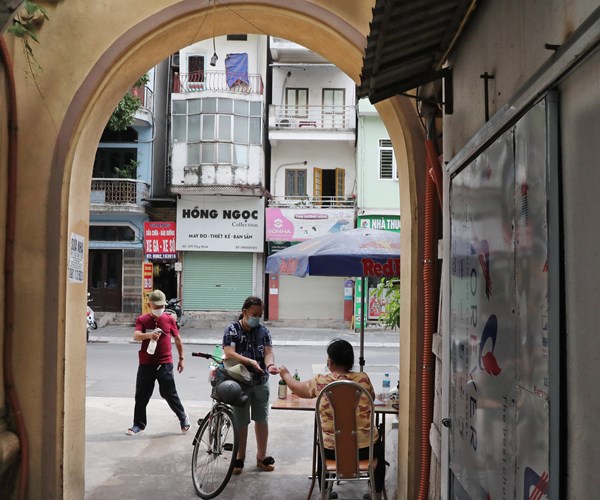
344,397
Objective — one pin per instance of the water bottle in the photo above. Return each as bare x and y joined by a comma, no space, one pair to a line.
282,389
385,387
296,376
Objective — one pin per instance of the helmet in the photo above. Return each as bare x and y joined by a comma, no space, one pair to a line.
230,392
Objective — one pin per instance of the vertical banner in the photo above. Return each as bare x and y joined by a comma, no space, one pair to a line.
147,284
159,240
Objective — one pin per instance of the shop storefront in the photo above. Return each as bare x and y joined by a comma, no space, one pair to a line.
220,240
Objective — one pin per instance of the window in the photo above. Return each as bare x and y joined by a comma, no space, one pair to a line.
217,130
111,233
387,160
334,111
295,182
195,69
296,101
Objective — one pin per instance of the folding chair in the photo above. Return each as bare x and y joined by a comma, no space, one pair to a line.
344,398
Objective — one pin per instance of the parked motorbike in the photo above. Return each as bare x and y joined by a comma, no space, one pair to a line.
91,320
174,309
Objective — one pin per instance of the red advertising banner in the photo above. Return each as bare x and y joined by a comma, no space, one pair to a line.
159,240
147,284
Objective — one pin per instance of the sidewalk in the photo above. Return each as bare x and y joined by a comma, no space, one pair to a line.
157,463
282,336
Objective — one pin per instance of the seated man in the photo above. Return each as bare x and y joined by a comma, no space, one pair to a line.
340,360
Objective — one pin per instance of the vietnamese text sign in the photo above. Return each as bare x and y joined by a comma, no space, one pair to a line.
220,223
76,258
299,224
159,240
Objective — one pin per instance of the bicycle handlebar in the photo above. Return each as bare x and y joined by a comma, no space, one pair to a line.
206,356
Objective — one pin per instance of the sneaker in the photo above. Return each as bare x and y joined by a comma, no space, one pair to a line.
132,431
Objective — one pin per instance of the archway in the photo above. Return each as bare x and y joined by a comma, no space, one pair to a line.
61,119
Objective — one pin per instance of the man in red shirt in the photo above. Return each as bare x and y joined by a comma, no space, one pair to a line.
156,362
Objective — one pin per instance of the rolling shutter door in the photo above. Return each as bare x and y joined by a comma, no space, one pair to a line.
216,281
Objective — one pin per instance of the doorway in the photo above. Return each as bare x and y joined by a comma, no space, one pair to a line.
105,277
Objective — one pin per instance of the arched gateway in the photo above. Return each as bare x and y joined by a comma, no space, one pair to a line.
91,52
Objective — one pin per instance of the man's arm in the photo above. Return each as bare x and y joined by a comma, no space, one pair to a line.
179,346
138,335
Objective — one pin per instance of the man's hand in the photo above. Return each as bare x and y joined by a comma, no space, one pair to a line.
180,365
154,335
255,365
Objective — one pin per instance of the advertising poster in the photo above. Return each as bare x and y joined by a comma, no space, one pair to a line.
298,224
147,284
499,405
76,258
221,224
159,240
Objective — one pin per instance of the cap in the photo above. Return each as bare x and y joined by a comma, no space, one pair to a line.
238,371
157,297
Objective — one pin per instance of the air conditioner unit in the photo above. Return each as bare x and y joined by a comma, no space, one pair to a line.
287,122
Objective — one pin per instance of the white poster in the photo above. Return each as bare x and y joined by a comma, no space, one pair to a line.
220,224
299,224
76,258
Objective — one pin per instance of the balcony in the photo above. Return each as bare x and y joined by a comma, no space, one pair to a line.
226,81
315,123
312,117
118,195
312,202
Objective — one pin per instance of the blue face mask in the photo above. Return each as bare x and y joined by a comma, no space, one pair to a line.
253,321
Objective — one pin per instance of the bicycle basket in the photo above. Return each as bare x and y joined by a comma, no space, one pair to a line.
227,389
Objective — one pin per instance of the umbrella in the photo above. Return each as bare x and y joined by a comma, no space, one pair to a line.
357,252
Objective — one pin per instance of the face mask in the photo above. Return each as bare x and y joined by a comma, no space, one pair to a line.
253,322
158,312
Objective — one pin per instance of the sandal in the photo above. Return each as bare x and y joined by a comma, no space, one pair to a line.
268,464
185,425
238,465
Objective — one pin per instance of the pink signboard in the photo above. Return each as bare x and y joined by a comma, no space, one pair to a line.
299,224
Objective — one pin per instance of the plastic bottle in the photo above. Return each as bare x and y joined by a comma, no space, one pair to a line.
296,376
217,353
282,389
385,387
152,344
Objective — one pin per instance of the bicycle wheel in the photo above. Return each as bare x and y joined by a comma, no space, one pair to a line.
215,450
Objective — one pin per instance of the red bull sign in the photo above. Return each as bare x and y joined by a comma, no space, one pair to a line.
371,268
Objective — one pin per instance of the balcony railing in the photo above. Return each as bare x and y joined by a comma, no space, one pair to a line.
312,201
241,83
145,95
312,117
124,193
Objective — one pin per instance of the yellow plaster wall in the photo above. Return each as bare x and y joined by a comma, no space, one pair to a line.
91,52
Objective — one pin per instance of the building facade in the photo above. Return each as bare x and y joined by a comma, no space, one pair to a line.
312,133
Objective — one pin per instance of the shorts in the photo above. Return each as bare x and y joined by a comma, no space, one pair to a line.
258,403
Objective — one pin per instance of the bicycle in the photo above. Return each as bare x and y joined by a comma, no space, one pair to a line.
216,442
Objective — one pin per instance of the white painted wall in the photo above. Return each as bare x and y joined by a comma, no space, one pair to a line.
319,154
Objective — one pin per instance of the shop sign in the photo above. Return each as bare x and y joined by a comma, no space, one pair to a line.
299,224
159,240
387,222
220,224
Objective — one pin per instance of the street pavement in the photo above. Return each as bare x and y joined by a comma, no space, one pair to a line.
157,463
